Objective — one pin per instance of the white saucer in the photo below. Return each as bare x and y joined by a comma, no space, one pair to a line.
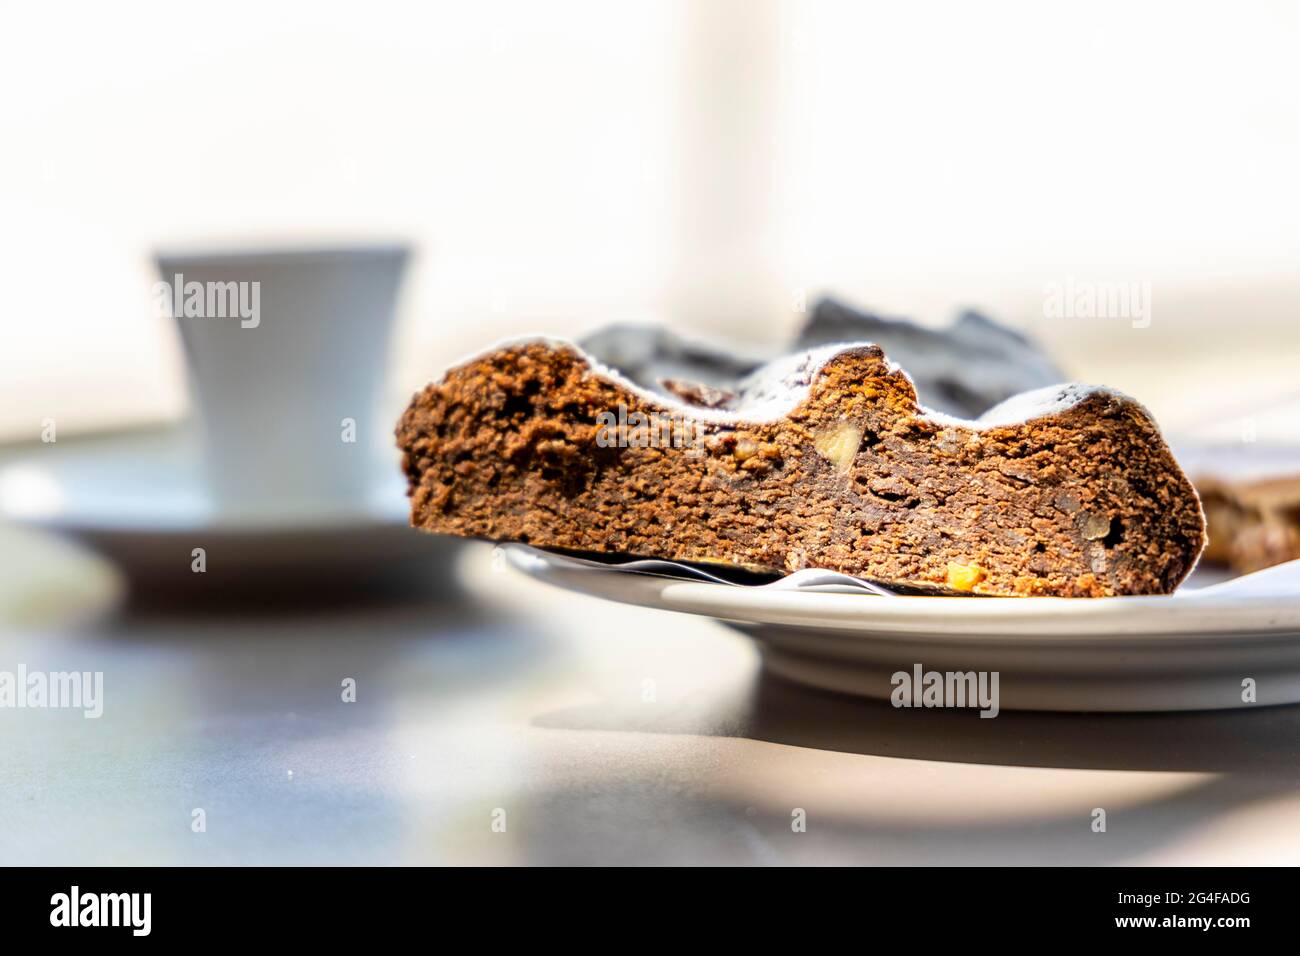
50,584
139,499
1187,651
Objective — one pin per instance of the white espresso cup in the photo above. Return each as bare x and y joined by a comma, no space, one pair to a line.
286,351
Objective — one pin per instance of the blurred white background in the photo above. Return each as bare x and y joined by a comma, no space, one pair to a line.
706,163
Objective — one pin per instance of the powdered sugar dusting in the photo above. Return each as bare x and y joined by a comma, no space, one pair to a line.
1043,402
777,388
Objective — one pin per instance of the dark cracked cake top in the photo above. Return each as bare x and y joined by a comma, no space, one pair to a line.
962,370
772,389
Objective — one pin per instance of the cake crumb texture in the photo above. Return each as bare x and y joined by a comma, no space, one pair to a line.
1086,501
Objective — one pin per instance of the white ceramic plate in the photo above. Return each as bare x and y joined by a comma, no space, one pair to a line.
1189,651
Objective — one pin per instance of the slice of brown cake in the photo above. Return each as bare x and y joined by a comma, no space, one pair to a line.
1253,524
822,460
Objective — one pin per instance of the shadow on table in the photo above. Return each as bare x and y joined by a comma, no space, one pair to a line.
1251,756
293,590
1265,739
768,708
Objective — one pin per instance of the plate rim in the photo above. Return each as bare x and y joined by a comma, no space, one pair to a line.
1193,615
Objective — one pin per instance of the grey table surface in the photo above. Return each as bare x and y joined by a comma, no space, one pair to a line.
498,721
